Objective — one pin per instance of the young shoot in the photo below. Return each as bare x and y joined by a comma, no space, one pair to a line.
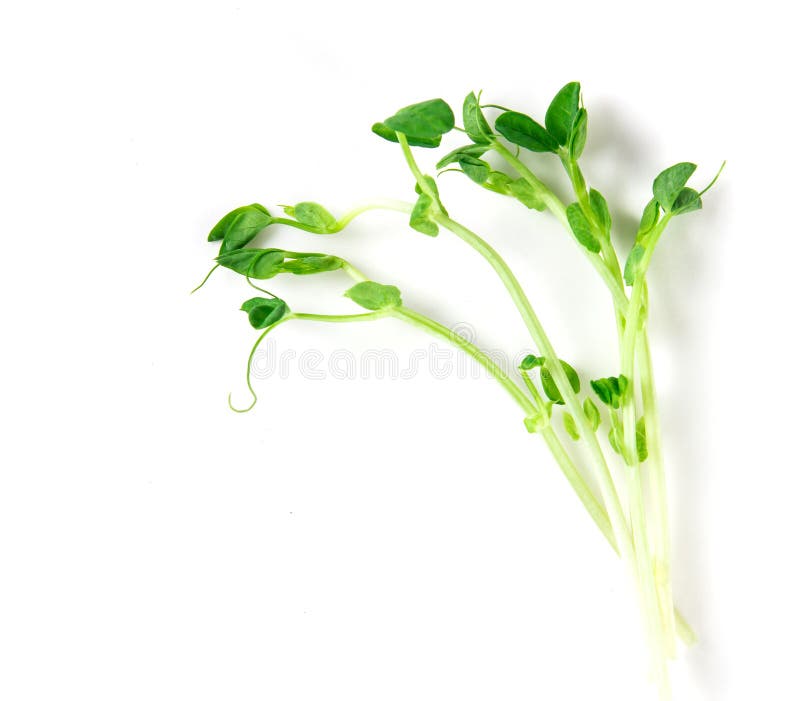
604,433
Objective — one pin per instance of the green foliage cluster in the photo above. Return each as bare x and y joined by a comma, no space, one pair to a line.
500,155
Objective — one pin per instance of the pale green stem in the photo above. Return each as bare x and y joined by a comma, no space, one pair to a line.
661,538
647,580
347,217
494,370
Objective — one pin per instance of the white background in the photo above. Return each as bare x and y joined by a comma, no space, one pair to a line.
377,538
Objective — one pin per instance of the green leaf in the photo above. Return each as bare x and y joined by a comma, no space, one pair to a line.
600,210
311,263
688,200
455,156
420,216
423,120
581,228
549,385
374,296
257,263
649,219
633,263
561,113
669,183
610,390
570,427
389,134
312,214
265,263
237,228
475,123
536,423
592,413
263,312
616,437
475,169
641,440
434,188
522,190
529,362
523,131
577,137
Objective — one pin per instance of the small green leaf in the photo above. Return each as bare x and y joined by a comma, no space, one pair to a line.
549,384
423,120
561,113
263,312
688,200
649,219
522,190
420,216
581,228
313,214
498,182
536,423
577,137
389,134
610,390
615,438
311,263
475,123
669,183
523,131
529,362
633,263
600,210
592,413
237,228
570,427
641,440
374,296
455,156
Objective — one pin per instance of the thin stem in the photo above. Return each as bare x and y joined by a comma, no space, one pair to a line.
434,327
423,184
557,208
647,580
661,539
340,318
378,203
385,203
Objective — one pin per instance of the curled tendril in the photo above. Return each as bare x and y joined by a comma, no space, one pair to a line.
205,279
250,366
256,287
